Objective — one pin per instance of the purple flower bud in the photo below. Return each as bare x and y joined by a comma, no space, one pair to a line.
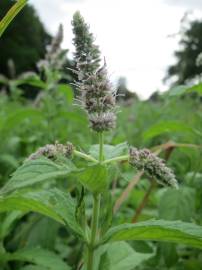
53,150
152,165
102,122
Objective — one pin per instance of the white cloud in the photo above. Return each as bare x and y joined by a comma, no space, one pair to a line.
133,35
190,4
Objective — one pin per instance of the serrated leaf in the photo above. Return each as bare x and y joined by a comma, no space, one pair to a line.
94,178
120,256
110,151
177,204
51,203
36,171
158,230
43,232
39,257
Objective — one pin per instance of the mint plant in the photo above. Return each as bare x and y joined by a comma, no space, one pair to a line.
31,188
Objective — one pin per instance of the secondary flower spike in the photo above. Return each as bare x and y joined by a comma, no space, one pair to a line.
55,56
152,165
97,95
53,150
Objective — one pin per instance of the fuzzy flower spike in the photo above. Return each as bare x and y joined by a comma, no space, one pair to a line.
97,94
55,56
152,166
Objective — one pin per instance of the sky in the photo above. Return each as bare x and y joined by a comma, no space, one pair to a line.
135,36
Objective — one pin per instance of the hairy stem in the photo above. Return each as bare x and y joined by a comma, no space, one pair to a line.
94,227
101,154
85,156
120,158
95,217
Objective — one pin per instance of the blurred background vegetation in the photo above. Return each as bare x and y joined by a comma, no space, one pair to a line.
37,107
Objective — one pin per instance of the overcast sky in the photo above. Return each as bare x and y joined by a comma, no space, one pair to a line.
133,35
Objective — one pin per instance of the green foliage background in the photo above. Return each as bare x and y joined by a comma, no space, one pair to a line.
170,123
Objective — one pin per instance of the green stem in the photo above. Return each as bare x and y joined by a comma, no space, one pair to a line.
101,154
95,217
3,255
120,158
85,156
94,227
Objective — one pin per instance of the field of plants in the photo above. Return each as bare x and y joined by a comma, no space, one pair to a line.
79,191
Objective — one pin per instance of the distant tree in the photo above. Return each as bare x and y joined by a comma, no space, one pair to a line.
155,97
186,68
24,41
123,93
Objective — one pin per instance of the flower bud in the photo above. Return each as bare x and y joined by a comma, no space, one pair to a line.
153,166
102,122
97,94
51,151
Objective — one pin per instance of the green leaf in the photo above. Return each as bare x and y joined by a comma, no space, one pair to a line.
3,79
185,89
178,90
13,11
158,230
51,203
14,119
67,91
177,204
33,267
36,171
104,262
106,212
120,256
9,160
110,151
8,221
81,209
94,178
165,127
39,257
168,252
31,78
38,231
195,88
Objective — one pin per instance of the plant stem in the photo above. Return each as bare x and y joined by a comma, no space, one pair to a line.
94,227
95,217
120,158
85,156
101,154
